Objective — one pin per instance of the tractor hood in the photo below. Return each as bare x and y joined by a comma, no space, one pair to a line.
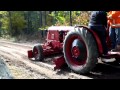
59,28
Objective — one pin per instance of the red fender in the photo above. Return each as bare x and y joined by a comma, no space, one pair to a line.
100,48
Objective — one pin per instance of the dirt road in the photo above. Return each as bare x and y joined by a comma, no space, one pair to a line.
15,56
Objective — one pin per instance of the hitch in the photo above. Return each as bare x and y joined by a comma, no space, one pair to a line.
30,54
59,62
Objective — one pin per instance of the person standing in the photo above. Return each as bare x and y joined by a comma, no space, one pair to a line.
114,23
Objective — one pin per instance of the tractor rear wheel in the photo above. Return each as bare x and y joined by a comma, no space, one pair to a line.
38,52
80,50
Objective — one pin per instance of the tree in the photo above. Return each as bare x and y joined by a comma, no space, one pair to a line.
10,22
28,22
18,22
40,17
4,20
70,18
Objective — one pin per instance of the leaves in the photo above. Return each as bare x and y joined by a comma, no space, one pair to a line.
63,17
17,22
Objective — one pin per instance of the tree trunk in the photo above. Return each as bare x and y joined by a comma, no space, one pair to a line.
10,22
45,19
40,12
70,18
29,23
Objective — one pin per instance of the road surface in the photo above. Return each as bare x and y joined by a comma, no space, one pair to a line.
15,56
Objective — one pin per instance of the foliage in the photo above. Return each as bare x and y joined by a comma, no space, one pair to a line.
4,20
63,17
18,22
43,28
81,19
16,19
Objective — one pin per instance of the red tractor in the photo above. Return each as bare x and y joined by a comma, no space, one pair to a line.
80,46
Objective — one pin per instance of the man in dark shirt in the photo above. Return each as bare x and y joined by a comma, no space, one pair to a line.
98,23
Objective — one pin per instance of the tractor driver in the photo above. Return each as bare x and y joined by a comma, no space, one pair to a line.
98,23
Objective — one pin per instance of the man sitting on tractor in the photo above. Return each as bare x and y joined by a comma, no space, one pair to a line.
114,23
98,23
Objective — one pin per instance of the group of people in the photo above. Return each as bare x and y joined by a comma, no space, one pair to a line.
100,21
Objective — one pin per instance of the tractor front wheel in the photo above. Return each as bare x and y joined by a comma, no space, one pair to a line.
80,50
38,52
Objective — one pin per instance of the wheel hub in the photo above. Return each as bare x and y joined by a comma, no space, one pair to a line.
35,52
76,51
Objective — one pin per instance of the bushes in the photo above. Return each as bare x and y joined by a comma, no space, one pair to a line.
16,23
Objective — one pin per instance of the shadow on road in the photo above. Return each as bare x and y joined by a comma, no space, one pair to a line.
104,71
101,71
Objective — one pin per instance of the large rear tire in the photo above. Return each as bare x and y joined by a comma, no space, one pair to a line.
80,50
38,52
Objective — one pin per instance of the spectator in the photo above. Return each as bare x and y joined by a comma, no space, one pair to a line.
114,22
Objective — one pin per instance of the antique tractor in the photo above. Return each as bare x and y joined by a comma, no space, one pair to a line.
80,46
